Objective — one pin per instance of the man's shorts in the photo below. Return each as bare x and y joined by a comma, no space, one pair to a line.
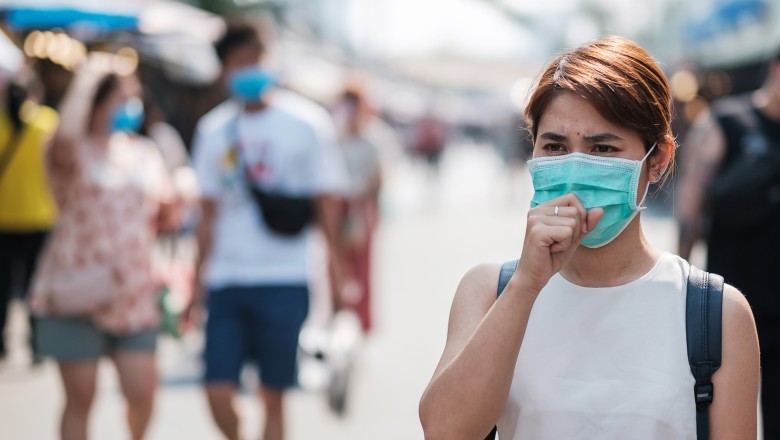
259,324
79,339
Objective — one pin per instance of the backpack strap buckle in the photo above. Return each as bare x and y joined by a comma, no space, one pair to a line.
703,393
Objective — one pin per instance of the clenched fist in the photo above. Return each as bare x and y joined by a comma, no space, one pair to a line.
554,232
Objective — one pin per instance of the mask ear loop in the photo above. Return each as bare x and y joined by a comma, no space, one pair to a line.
647,188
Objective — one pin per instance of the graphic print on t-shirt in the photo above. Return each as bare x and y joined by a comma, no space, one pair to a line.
256,153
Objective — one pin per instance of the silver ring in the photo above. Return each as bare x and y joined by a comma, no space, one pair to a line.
556,210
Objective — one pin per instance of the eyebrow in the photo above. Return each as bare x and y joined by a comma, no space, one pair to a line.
600,137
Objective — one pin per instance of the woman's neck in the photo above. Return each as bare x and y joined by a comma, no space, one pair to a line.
623,260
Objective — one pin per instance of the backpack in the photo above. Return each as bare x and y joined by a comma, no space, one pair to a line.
703,311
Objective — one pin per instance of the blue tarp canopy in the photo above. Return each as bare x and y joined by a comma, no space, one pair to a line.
47,18
729,16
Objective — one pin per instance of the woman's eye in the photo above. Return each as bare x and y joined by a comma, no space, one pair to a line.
554,148
603,149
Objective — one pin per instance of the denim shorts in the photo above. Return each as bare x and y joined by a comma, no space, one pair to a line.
258,324
79,339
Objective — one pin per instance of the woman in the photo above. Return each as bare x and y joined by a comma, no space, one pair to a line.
588,339
359,207
94,288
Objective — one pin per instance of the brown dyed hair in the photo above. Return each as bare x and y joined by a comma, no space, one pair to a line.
618,78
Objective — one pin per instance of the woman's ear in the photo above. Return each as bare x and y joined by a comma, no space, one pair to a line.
660,161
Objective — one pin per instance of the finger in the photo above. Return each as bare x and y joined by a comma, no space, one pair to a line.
572,222
543,235
594,216
569,200
560,238
563,211
576,203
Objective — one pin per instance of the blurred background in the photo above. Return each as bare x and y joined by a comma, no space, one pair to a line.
448,78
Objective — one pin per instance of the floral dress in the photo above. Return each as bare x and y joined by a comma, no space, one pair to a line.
109,202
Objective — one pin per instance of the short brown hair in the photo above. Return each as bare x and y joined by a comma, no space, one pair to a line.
617,77
238,34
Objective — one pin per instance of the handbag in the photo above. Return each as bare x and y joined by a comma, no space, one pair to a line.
285,215
81,292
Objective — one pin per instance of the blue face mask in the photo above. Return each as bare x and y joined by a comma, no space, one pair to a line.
128,116
599,182
250,84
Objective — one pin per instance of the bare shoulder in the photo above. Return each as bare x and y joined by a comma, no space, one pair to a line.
483,277
477,290
737,315
475,295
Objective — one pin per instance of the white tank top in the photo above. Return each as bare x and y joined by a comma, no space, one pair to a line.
605,363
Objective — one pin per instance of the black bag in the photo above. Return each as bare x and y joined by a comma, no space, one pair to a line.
746,191
703,330
285,215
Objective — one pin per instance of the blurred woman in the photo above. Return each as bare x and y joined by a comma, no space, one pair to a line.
359,213
94,288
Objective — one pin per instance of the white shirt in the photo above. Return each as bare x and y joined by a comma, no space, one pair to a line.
605,363
291,147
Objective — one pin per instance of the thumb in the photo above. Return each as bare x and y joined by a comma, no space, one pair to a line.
594,215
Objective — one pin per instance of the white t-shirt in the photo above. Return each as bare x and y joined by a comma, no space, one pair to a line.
605,363
290,147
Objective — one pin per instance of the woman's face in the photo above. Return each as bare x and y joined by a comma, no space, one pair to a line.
572,125
128,88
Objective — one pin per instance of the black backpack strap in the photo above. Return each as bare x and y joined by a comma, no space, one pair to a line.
703,322
507,269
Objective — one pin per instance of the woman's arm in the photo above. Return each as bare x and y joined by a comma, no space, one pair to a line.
735,399
471,383
75,111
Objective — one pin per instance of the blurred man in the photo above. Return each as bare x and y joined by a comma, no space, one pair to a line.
27,209
268,168
731,178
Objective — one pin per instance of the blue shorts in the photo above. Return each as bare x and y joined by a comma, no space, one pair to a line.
256,323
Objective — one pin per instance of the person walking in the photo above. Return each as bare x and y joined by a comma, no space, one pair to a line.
588,338
360,146
728,196
269,169
27,208
94,291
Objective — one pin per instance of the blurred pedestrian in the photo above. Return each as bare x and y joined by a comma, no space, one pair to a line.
359,213
729,196
94,289
268,168
27,208
430,138
588,338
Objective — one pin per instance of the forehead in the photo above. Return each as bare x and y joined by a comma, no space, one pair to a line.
244,54
574,116
128,86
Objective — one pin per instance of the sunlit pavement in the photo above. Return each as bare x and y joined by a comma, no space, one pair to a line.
435,228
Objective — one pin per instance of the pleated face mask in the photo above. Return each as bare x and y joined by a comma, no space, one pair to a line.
609,183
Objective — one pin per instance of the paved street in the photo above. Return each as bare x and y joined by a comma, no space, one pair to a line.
434,230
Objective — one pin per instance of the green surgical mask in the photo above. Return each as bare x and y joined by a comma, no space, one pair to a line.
599,182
